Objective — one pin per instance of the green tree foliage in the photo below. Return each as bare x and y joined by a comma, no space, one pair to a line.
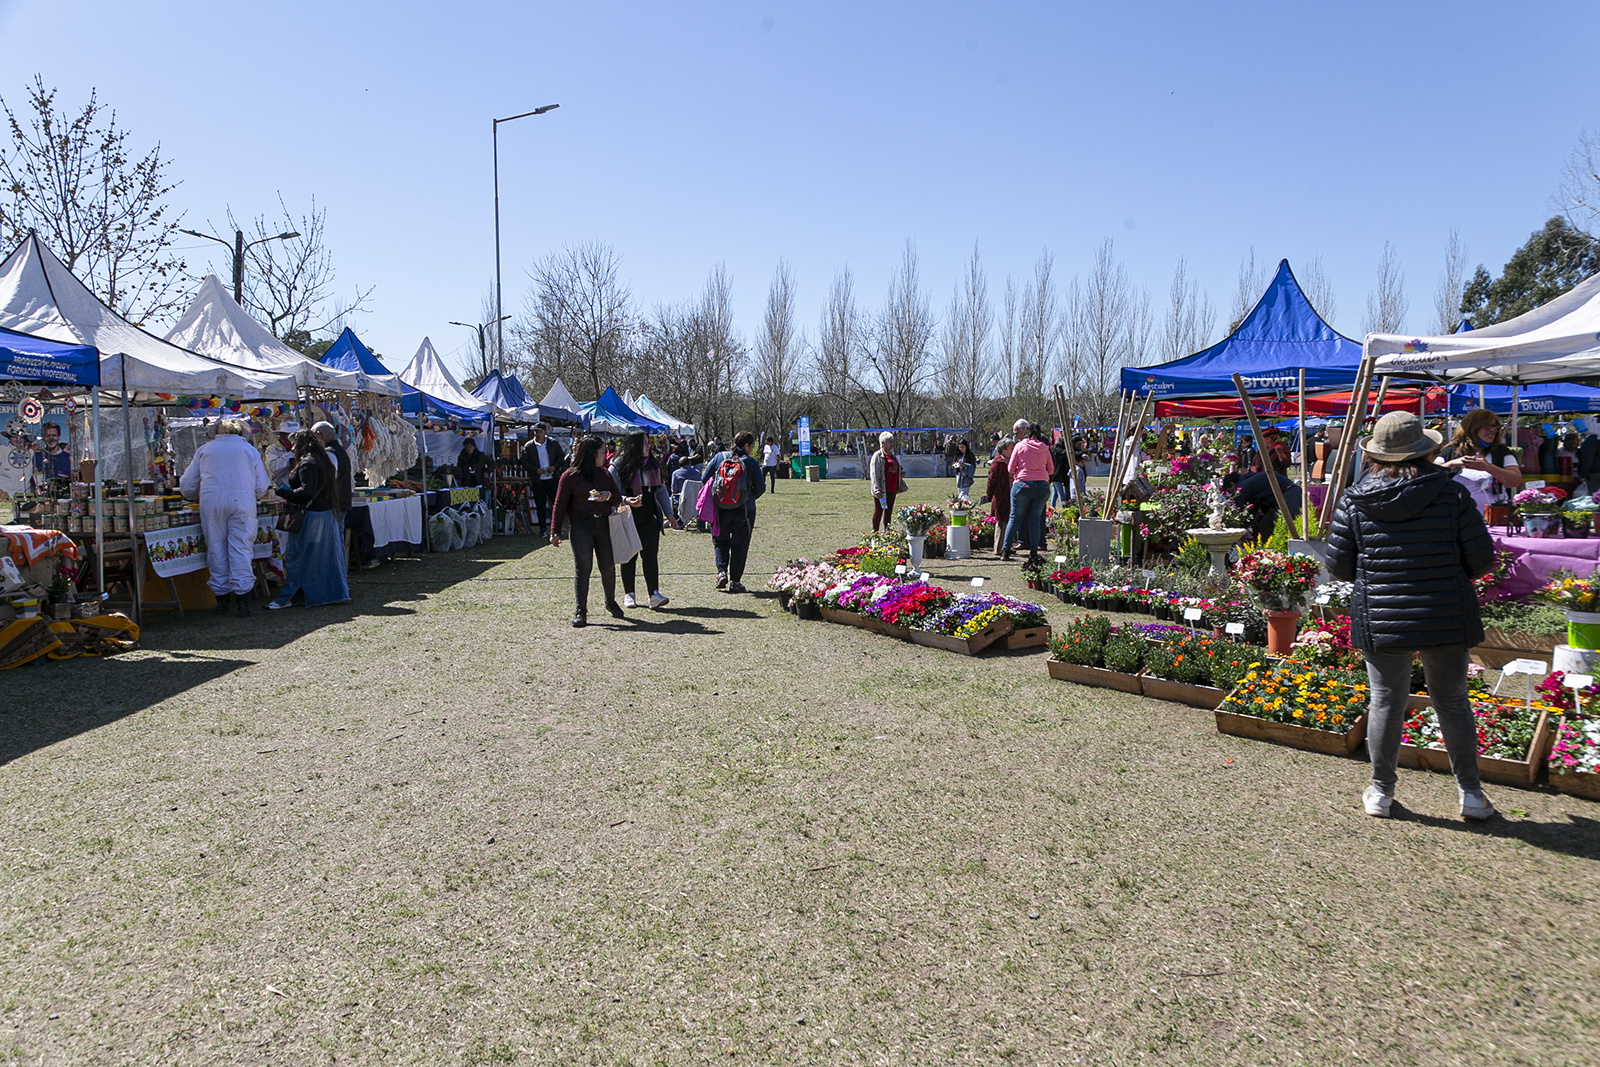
300,341
1553,260
74,179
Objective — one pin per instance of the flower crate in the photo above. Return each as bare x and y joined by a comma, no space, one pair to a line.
1096,676
1196,696
1494,637
1303,737
844,618
1523,772
878,626
1032,637
966,646
1584,784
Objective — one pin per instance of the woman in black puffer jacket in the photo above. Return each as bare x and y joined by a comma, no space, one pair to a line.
1411,540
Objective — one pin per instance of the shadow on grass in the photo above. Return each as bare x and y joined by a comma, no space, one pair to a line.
1580,837
88,693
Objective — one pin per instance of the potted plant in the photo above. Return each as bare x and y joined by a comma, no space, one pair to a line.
1580,599
1034,573
1079,654
1279,581
1540,509
918,519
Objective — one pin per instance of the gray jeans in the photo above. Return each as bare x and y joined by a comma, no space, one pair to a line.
1389,674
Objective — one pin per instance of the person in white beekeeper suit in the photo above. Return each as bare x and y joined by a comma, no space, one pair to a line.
228,477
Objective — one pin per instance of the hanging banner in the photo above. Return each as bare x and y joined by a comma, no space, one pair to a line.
182,549
805,435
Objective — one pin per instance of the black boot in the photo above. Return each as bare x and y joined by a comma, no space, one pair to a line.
615,609
580,618
241,605
222,603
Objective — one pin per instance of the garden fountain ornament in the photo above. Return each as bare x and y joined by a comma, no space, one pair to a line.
1217,538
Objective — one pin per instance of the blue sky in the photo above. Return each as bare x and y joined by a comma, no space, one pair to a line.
830,133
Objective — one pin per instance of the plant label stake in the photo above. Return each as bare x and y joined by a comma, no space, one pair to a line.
1324,598
1061,559
977,583
1529,669
900,569
1577,683
1192,615
1234,628
1148,574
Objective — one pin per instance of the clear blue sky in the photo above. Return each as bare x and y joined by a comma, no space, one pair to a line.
829,133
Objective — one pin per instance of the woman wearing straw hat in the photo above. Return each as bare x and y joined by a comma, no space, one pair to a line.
1412,541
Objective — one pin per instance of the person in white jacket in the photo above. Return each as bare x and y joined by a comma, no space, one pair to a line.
228,477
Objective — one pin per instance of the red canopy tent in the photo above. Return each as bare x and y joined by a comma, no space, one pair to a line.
1324,405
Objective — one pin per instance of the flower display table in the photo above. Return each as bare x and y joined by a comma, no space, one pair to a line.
1534,558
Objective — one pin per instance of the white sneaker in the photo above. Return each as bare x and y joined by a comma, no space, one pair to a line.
658,601
1475,805
628,601
1376,801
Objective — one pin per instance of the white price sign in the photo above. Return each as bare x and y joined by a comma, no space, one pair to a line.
901,569
1323,598
977,583
1192,614
1148,574
1061,559
1577,681
1235,628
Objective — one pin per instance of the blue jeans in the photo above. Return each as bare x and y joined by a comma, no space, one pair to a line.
1058,493
1027,515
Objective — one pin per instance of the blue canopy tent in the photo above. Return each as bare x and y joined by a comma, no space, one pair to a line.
348,353
1281,336
506,392
608,408
1531,399
24,357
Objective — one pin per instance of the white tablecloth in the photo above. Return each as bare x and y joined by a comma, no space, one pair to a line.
395,520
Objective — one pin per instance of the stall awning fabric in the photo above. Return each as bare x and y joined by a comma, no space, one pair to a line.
1558,342
1332,404
507,393
427,373
651,410
1530,400
348,353
41,297
216,326
1281,336
559,399
608,413
36,359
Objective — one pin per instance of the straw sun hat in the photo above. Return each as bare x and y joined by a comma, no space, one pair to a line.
1400,436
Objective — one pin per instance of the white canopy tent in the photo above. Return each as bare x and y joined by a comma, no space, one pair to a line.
427,374
650,409
558,397
216,326
1557,342
40,296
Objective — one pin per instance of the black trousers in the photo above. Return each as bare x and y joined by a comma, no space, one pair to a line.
648,521
591,538
543,492
772,474
732,545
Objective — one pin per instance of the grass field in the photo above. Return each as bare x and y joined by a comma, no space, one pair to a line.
440,826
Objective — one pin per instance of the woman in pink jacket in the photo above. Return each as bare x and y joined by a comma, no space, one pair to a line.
1030,468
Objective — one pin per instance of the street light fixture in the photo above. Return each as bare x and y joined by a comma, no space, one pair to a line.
238,248
499,333
483,355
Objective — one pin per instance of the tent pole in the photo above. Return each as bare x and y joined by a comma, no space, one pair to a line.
127,482
1066,441
99,494
1352,431
1516,396
1305,512
422,435
1123,412
1377,413
1261,448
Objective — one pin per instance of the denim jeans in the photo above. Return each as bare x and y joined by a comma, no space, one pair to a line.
1027,514
1389,674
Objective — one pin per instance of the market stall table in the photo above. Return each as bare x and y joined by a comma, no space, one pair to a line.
181,550
1534,558
397,521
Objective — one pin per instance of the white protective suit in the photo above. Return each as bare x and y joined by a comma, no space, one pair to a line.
227,477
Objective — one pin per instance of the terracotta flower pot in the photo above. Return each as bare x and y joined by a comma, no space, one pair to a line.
1281,629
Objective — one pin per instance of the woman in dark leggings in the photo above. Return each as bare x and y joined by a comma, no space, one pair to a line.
586,495
639,475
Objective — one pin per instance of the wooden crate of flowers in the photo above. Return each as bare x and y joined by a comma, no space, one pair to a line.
1319,709
1197,669
1090,652
1574,760
1513,739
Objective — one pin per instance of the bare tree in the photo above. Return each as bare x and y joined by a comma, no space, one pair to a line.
1578,197
837,356
1010,342
1108,327
898,355
1252,283
690,360
1318,289
101,210
1387,305
1038,340
1190,317
965,364
580,317
777,355
289,284
1452,284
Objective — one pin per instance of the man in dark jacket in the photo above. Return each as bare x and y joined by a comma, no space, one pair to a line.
1411,540
543,461
1254,494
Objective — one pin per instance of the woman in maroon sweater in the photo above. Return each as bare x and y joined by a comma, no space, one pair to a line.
998,490
586,495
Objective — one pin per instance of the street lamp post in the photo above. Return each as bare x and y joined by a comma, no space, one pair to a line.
483,352
239,248
499,332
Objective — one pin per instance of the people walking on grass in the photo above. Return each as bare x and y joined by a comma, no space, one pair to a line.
966,466
1030,468
997,491
227,477
543,461
731,503
883,472
638,475
586,496
770,455
313,558
1412,540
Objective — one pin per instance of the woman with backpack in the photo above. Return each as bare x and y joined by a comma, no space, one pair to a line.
639,476
883,470
586,495
1482,465
728,500
1412,541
